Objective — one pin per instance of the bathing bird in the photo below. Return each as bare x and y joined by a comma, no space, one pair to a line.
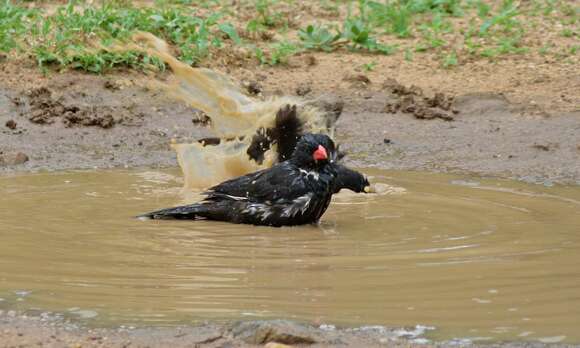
288,128
293,192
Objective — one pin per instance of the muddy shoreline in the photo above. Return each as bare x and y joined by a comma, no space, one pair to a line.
77,121
52,330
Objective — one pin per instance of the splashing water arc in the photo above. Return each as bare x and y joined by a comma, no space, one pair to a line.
233,115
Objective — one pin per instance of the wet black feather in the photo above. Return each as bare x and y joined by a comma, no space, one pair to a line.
294,192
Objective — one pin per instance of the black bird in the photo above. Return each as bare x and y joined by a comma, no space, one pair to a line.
293,192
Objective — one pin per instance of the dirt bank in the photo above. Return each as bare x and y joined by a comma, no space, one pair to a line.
79,121
47,330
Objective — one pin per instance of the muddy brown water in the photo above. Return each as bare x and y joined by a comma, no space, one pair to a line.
474,258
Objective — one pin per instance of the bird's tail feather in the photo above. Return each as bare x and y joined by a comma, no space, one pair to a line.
184,212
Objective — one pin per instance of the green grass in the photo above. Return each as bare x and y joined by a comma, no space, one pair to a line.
77,34
14,22
74,37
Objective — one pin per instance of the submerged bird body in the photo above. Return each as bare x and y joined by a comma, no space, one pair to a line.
294,192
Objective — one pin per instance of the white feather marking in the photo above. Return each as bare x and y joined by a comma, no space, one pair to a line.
300,204
262,210
312,173
236,198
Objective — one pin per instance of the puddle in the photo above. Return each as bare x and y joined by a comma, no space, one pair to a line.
477,259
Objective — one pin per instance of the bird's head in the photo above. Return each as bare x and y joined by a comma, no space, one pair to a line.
314,151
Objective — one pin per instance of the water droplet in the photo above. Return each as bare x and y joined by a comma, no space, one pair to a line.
553,339
22,293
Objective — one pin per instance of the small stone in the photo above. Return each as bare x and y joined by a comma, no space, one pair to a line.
387,141
277,331
112,85
303,90
254,87
358,78
545,147
311,60
11,124
13,159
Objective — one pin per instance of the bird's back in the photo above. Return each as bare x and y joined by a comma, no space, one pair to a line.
281,195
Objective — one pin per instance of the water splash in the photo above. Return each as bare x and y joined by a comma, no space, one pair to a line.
233,115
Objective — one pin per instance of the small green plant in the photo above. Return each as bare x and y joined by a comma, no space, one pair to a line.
483,9
359,37
471,45
408,55
395,17
431,40
450,60
510,45
231,32
265,15
318,38
369,66
549,7
567,32
544,50
278,53
505,19
452,7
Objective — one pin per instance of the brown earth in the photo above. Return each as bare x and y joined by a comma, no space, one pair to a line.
73,120
45,330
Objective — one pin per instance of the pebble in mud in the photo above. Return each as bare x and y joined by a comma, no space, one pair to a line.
112,85
280,331
546,147
411,100
303,90
11,124
359,81
13,159
45,108
253,87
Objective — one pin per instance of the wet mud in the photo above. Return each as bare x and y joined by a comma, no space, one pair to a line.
481,134
411,100
76,121
46,329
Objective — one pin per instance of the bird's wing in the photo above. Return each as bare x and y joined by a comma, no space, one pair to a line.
280,183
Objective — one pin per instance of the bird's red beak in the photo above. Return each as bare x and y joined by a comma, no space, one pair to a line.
320,153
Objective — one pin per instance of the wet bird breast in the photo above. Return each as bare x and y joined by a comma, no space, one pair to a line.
304,209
